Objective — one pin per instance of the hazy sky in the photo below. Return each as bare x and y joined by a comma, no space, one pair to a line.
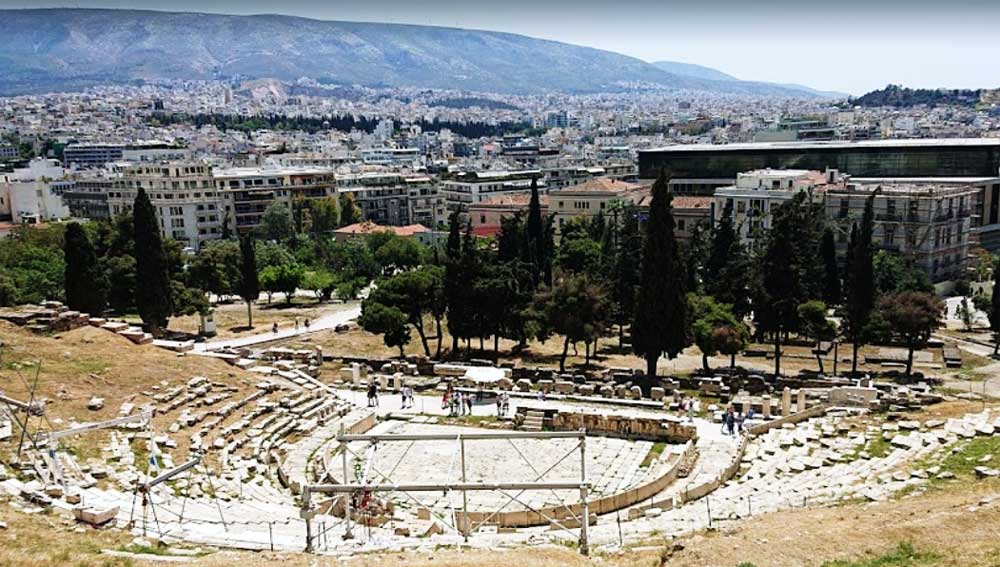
845,45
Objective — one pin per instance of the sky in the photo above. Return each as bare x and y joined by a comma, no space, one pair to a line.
849,46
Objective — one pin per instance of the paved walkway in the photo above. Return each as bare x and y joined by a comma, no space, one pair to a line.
430,404
990,384
349,312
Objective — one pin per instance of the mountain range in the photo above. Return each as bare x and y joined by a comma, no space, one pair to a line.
65,49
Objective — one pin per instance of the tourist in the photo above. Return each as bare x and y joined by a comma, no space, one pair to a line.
274,328
307,323
407,397
505,408
372,394
499,404
468,402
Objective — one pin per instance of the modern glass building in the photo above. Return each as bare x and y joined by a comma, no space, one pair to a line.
699,168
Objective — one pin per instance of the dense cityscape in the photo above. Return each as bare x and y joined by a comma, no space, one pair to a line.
657,320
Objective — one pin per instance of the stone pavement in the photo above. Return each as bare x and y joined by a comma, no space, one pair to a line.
349,312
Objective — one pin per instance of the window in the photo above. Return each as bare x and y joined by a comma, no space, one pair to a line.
741,207
176,211
681,224
176,223
482,219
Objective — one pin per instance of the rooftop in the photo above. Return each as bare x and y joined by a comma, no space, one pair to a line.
600,185
905,143
510,200
368,227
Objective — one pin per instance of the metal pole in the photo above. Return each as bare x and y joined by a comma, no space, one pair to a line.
270,534
465,495
307,516
584,494
347,497
708,508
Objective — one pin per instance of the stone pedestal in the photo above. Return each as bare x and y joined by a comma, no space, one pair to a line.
800,401
786,402
765,406
383,382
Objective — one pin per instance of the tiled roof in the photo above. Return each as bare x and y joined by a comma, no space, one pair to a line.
368,227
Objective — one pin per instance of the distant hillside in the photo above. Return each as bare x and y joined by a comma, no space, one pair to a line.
60,49
694,71
902,97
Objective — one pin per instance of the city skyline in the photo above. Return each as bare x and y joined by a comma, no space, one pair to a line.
851,48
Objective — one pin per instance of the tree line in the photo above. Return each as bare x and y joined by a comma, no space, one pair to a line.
340,122
623,272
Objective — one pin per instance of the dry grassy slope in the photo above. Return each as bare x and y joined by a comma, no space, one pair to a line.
89,362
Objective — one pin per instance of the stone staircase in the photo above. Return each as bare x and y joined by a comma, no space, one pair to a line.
533,420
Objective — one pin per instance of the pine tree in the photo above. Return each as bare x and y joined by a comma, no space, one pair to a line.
153,293
832,293
83,280
660,323
249,283
860,282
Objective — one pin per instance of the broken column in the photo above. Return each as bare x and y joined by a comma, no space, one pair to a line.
786,402
765,406
800,401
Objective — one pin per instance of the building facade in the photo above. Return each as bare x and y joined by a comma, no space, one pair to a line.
184,195
246,192
928,222
756,194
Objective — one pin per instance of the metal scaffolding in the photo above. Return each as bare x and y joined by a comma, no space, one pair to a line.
512,491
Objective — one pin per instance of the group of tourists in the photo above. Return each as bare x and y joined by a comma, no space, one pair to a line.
687,406
458,403
734,422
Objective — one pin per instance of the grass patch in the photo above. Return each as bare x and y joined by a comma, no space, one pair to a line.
654,453
143,549
962,463
878,447
905,555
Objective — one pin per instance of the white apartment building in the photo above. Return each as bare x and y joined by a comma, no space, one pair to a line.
246,192
184,195
395,199
757,193
390,156
475,186
33,194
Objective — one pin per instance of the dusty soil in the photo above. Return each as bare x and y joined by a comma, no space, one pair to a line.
231,318
76,365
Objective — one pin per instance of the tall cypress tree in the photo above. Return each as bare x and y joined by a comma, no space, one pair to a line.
249,283
452,279
994,314
152,294
860,281
536,235
832,293
660,323
726,272
625,268
83,279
